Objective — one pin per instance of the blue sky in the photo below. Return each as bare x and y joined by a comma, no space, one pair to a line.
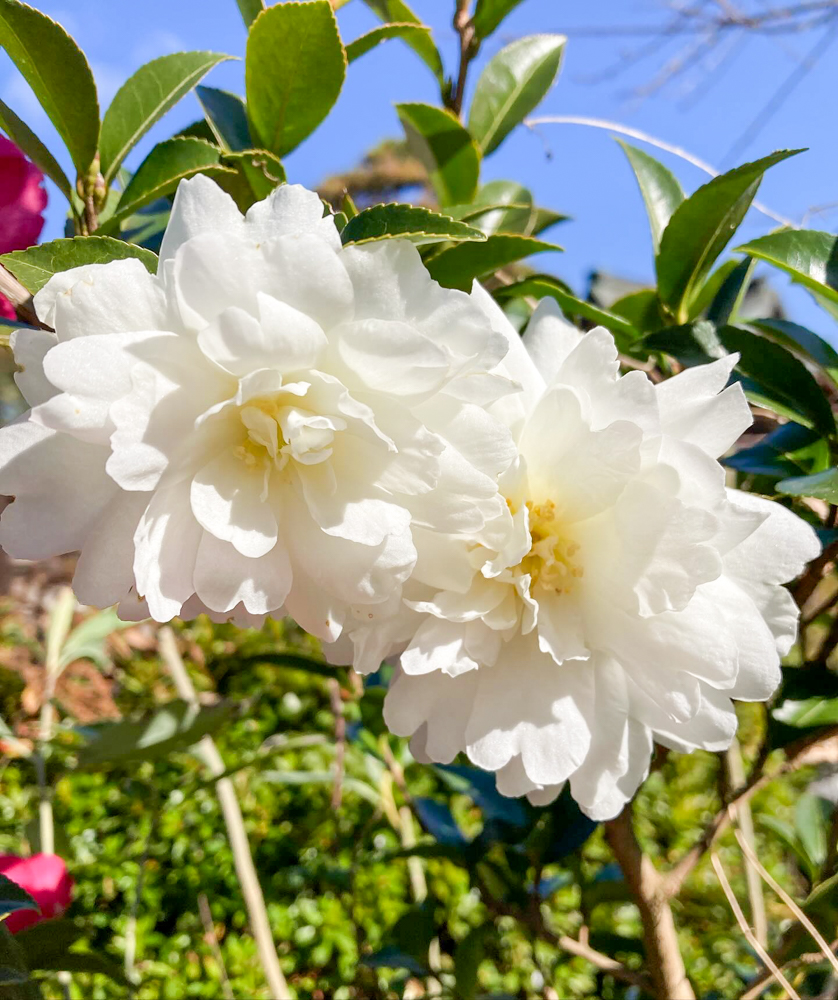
576,170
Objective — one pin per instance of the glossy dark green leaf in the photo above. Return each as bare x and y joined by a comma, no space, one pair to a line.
437,820
661,191
511,85
727,300
14,899
801,340
641,309
396,11
34,267
781,375
701,227
21,135
44,942
710,289
175,726
144,98
772,373
250,10
788,836
822,486
294,72
508,208
448,152
16,984
226,116
59,75
161,172
457,267
481,787
790,450
542,284
405,30
417,224
488,15
810,257
822,896
467,958
258,174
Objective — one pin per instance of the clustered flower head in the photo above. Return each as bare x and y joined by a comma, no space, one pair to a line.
276,424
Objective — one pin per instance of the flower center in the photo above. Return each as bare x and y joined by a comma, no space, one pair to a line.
550,561
281,428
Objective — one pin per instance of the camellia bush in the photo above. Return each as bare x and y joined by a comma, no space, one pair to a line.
503,617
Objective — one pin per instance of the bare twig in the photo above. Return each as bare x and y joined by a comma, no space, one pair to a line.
742,812
663,956
340,741
746,930
636,133
805,587
245,869
469,45
819,939
212,941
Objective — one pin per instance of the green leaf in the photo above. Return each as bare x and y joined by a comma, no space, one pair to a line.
161,172
822,486
13,898
788,836
710,289
802,340
396,221
728,299
488,14
20,134
511,85
499,207
293,72
176,726
701,227
661,191
786,379
396,11
810,257
641,309
144,98
34,267
790,450
405,30
16,984
260,170
446,149
226,115
467,958
43,943
822,896
250,10
457,267
778,377
543,284
811,826
58,73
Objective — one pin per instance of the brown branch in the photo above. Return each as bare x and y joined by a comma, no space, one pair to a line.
340,741
469,44
812,577
798,754
663,956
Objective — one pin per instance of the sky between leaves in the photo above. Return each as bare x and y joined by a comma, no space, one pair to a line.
574,170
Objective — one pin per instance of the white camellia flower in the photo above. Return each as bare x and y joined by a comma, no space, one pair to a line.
625,596
258,428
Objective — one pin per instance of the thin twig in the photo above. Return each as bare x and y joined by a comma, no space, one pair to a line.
819,939
340,741
469,45
212,940
20,298
245,869
742,812
636,133
746,930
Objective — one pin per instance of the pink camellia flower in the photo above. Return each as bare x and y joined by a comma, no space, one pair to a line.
45,878
22,202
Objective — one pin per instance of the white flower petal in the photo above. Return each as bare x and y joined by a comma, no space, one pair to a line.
224,578
30,348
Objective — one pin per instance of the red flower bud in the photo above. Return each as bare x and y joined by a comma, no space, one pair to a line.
45,878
